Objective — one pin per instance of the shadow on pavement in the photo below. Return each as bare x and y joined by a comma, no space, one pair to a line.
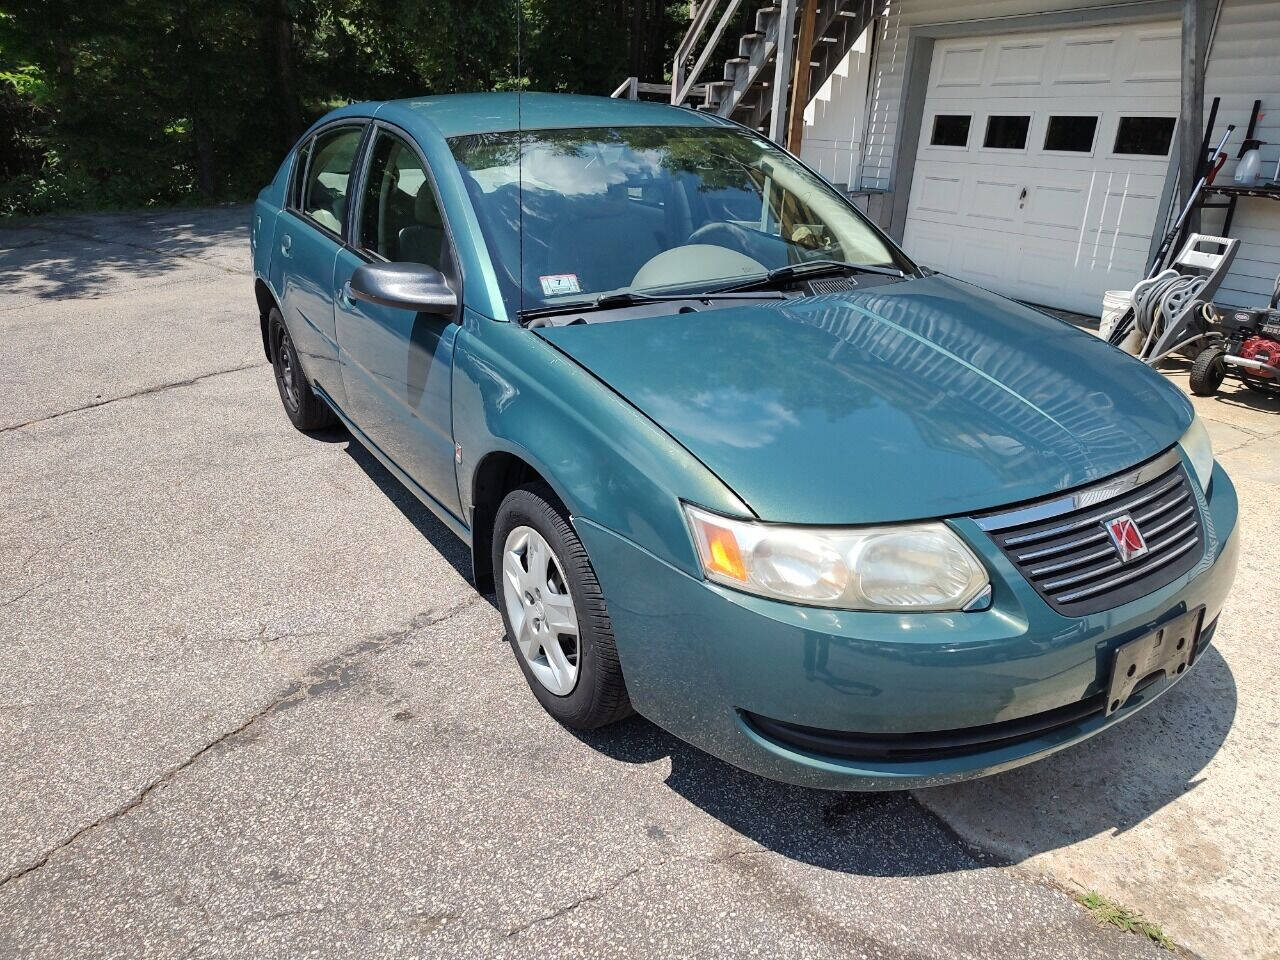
870,834
1106,784
1243,396
77,257
445,542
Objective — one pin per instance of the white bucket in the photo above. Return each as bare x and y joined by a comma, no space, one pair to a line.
1114,304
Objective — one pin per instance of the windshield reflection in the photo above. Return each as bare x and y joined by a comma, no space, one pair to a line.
571,214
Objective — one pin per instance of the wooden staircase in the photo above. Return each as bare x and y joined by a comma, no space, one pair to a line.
745,92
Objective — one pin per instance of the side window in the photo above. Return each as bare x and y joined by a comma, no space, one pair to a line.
324,194
299,171
399,217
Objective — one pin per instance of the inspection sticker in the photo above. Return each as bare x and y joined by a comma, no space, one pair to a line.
555,284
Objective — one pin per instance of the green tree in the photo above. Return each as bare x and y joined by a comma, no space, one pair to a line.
142,102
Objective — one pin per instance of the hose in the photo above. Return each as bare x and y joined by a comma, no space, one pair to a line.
1140,302
1158,303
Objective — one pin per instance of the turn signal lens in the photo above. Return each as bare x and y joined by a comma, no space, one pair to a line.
912,566
722,553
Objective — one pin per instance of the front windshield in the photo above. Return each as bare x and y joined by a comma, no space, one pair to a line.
650,210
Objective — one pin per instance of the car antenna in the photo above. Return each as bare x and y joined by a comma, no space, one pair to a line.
520,153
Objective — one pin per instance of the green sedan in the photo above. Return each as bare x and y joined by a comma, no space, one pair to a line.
728,457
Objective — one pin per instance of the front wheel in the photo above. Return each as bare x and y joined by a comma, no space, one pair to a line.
555,615
1208,372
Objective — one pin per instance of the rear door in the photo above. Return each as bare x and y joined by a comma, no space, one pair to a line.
308,238
397,364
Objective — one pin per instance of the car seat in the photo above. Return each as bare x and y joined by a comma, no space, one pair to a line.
423,241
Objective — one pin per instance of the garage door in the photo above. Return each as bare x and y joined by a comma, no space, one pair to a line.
1042,160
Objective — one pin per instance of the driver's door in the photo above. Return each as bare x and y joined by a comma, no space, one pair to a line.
397,364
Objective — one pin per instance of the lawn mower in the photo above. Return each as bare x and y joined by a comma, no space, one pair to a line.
1249,349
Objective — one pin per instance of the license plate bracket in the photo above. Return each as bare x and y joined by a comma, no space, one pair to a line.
1168,650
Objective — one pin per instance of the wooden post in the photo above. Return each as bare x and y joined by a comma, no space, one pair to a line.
800,85
1192,121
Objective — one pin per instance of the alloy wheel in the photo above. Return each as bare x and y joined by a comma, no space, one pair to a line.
540,609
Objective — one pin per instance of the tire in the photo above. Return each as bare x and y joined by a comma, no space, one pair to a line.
1208,372
596,694
305,410
1265,386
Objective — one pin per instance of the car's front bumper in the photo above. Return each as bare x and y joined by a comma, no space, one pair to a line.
697,657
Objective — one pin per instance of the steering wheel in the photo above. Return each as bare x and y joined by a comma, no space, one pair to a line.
722,234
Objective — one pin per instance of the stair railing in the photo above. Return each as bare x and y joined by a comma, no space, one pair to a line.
629,89
683,83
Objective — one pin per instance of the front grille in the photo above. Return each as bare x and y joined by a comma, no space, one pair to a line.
1068,556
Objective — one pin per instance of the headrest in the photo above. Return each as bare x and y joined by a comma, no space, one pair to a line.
425,210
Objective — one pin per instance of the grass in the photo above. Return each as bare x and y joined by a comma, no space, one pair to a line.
1109,912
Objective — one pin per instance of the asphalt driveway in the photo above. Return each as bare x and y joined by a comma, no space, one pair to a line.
251,707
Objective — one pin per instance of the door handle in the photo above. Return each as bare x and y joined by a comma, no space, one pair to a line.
1022,198
286,243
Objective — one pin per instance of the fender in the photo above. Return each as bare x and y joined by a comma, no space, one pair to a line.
605,460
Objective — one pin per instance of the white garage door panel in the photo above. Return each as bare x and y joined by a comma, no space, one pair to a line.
1052,226
1018,62
961,66
994,200
940,195
933,245
982,262
1057,205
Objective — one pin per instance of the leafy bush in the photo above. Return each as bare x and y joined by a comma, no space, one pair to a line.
146,102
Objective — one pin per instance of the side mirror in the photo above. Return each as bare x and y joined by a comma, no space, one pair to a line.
406,286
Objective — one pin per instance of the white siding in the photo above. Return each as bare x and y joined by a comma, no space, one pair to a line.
833,120
1244,65
891,61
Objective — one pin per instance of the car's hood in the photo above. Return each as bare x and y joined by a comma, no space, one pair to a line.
925,398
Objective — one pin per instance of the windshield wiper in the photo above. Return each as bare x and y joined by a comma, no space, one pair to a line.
623,298
807,268
606,301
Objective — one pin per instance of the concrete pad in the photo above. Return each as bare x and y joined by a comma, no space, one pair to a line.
1169,813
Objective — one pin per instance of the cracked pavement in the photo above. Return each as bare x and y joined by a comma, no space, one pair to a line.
251,707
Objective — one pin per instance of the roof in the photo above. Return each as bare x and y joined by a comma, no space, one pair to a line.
463,113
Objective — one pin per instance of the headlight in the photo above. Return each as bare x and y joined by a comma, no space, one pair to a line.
1195,443
913,566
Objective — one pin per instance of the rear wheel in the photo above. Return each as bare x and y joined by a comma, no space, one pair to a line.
305,410
555,615
1208,372
1263,385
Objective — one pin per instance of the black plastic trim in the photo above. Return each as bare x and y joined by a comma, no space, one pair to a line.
933,744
